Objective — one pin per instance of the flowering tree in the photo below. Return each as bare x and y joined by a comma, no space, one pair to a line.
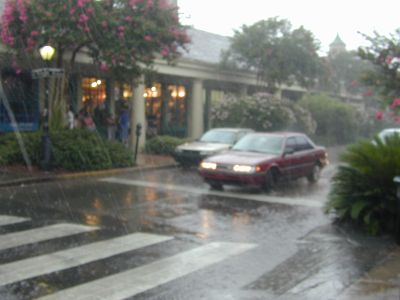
122,37
384,54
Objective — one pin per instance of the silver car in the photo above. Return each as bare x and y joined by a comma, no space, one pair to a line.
210,143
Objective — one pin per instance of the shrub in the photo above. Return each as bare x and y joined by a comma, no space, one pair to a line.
23,148
71,150
336,121
363,190
163,144
261,112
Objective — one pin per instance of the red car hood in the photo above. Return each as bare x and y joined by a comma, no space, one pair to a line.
241,158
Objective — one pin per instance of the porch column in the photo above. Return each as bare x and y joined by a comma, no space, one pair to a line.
196,110
207,110
138,114
243,91
278,93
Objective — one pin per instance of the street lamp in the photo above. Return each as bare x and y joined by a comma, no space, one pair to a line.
46,53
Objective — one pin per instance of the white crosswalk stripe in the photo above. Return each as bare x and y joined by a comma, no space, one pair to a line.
138,280
57,261
8,220
114,287
12,240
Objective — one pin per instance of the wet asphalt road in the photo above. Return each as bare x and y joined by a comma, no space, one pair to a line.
237,244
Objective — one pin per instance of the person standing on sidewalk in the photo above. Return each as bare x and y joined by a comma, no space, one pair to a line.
123,122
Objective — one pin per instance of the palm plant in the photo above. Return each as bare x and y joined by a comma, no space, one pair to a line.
363,190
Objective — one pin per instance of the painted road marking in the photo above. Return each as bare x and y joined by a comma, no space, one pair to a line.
138,280
16,239
8,220
56,261
261,198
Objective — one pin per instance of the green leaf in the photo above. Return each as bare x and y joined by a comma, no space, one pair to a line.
357,208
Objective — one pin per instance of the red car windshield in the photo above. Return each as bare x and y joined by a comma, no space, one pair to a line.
270,144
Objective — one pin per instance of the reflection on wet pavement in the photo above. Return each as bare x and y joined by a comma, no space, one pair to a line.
300,254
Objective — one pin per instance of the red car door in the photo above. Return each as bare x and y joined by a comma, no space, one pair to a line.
290,159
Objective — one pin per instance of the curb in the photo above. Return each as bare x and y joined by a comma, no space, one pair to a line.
75,175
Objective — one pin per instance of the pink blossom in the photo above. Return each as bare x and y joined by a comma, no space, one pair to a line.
18,71
83,18
104,67
368,93
165,51
388,59
148,38
150,4
133,3
34,33
164,4
397,119
379,115
128,19
104,24
121,28
90,10
81,3
395,103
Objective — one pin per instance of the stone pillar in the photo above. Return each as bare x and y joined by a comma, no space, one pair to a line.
207,109
243,91
138,114
111,96
196,110
79,93
278,93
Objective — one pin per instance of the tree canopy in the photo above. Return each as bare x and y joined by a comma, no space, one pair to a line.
276,52
384,54
121,36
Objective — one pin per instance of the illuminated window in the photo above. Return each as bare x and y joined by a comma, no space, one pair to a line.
93,91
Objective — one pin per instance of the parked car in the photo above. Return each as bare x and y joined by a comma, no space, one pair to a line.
264,158
388,132
211,142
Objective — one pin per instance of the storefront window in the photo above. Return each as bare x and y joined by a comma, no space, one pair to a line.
165,109
177,107
93,91
153,108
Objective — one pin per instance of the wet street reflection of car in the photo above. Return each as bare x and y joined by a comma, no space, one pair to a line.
264,158
210,143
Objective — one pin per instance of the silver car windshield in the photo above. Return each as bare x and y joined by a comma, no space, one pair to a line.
260,143
388,133
219,136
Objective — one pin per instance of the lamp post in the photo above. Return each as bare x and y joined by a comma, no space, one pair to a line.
46,53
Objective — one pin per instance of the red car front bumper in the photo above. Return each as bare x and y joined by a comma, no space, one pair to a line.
233,178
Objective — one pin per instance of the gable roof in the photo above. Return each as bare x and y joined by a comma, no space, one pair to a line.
205,46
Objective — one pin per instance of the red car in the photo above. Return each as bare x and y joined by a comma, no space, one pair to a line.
264,158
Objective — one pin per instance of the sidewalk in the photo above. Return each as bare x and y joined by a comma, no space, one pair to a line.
17,175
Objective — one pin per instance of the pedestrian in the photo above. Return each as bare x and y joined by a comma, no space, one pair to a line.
71,118
88,122
111,126
123,122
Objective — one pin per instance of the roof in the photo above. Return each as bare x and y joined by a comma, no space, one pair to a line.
338,41
205,46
